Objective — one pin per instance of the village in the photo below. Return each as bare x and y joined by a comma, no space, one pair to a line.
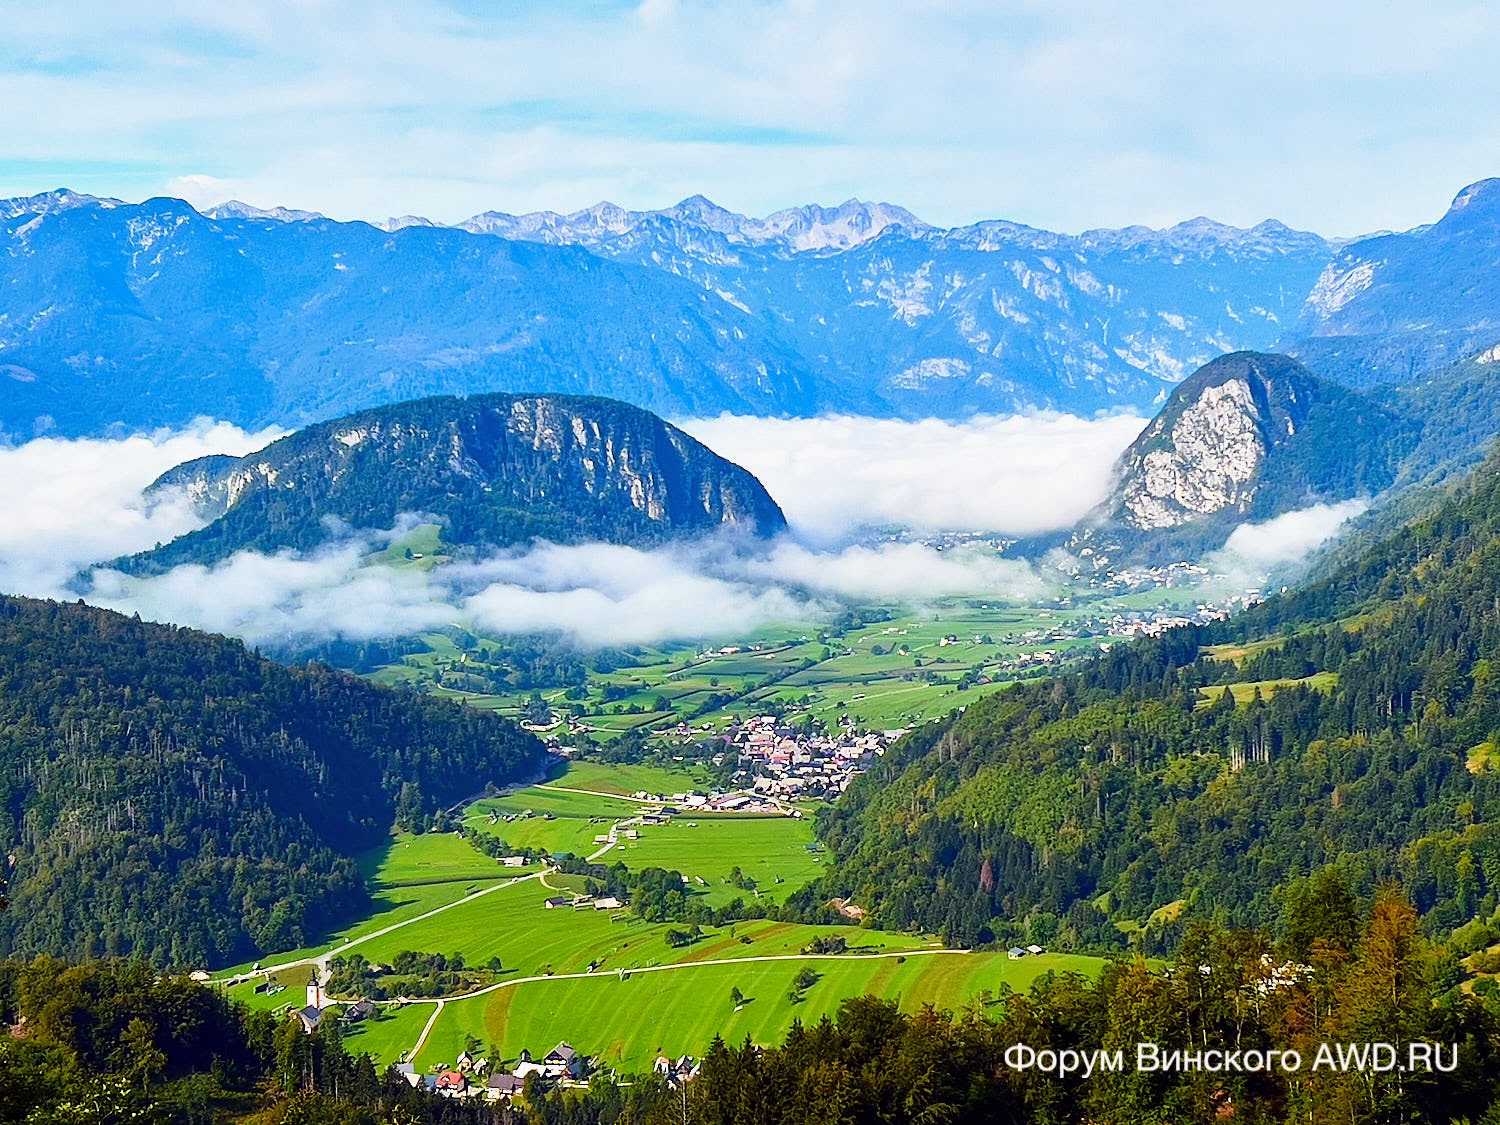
780,762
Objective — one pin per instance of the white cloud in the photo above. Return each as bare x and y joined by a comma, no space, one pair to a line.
77,504
74,504
902,571
69,503
1018,475
607,595
201,191
1254,550
1111,113
279,599
594,594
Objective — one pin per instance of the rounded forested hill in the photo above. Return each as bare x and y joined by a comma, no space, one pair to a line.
494,470
168,794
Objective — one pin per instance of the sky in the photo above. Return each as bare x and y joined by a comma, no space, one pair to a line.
1341,117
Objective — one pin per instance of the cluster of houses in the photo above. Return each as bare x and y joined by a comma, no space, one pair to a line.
318,1010
582,902
677,1071
471,1077
1016,952
777,761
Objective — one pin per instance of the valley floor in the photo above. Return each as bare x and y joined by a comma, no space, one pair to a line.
604,980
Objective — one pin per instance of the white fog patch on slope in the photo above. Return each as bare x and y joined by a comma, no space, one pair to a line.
1018,475
1255,549
267,599
66,504
600,594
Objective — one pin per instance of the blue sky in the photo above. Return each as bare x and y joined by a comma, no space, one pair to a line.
1340,117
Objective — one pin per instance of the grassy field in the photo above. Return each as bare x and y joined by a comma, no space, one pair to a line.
390,906
577,818
388,1038
625,780
773,851
895,671
513,924
409,861
626,1023
625,1011
1244,693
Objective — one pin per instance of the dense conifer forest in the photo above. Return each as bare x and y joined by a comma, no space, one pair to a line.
170,795
1202,774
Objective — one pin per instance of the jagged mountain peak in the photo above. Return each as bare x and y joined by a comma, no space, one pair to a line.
59,199
851,223
235,209
401,222
1203,235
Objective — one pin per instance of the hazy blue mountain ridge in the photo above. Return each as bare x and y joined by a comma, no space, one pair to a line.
1395,307
130,316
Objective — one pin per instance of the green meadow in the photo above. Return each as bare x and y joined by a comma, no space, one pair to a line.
625,1023
641,995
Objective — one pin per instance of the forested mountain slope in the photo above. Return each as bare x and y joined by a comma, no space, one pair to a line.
168,794
1355,723
495,470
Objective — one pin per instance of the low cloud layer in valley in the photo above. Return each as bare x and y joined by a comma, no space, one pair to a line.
1018,475
68,504
73,505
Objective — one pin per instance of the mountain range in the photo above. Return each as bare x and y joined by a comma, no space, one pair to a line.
134,316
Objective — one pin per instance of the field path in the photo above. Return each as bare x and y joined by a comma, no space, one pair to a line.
622,973
437,1011
320,960
600,793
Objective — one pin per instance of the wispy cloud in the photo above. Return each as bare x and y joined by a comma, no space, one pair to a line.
1255,550
68,504
1108,113
73,505
593,594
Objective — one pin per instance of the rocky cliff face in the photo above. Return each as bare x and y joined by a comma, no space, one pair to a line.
495,470
1207,463
1247,437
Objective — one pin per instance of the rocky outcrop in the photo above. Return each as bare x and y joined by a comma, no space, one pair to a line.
494,470
1249,436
